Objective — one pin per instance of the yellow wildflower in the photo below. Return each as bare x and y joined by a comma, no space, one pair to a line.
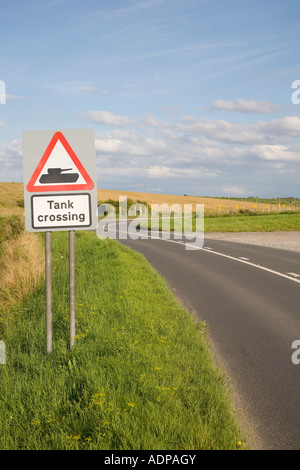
36,422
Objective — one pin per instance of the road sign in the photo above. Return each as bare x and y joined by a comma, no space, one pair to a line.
52,172
60,189
60,193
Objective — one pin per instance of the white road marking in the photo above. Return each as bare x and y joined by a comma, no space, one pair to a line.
245,259
245,262
255,266
277,273
294,274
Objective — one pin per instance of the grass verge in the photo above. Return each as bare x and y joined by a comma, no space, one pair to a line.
140,375
21,265
271,222
11,199
254,223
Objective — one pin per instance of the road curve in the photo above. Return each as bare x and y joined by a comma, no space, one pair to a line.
250,297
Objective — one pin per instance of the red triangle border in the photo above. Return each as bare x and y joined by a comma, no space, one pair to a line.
70,187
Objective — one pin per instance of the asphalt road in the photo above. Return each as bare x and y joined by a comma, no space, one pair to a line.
250,298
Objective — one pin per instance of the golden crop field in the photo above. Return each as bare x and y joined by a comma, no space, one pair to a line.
210,204
11,200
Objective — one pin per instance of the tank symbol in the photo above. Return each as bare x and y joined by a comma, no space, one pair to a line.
55,175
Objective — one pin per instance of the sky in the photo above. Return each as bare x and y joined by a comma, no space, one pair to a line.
184,96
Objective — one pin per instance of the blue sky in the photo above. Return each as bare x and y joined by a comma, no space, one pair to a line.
184,96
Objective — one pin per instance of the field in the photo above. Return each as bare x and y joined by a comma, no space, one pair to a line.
271,222
223,215
20,263
12,201
221,205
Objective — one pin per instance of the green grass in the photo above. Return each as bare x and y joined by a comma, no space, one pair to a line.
10,227
255,223
140,375
278,200
251,222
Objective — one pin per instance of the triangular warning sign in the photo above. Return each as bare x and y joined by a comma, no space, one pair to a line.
59,169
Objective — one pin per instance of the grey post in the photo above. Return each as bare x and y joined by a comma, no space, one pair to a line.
48,266
72,285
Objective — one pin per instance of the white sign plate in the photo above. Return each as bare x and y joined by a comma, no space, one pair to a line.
61,211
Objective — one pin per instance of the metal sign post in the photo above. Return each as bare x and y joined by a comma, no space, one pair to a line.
48,266
72,286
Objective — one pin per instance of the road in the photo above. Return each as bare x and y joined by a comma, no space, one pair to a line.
249,296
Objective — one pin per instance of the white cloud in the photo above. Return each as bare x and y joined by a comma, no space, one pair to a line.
190,141
159,171
106,117
11,150
276,153
258,132
219,157
233,190
11,161
87,89
188,119
128,142
220,130
205,132
151,121
287,126
107,145
2,123
13,97
244,106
